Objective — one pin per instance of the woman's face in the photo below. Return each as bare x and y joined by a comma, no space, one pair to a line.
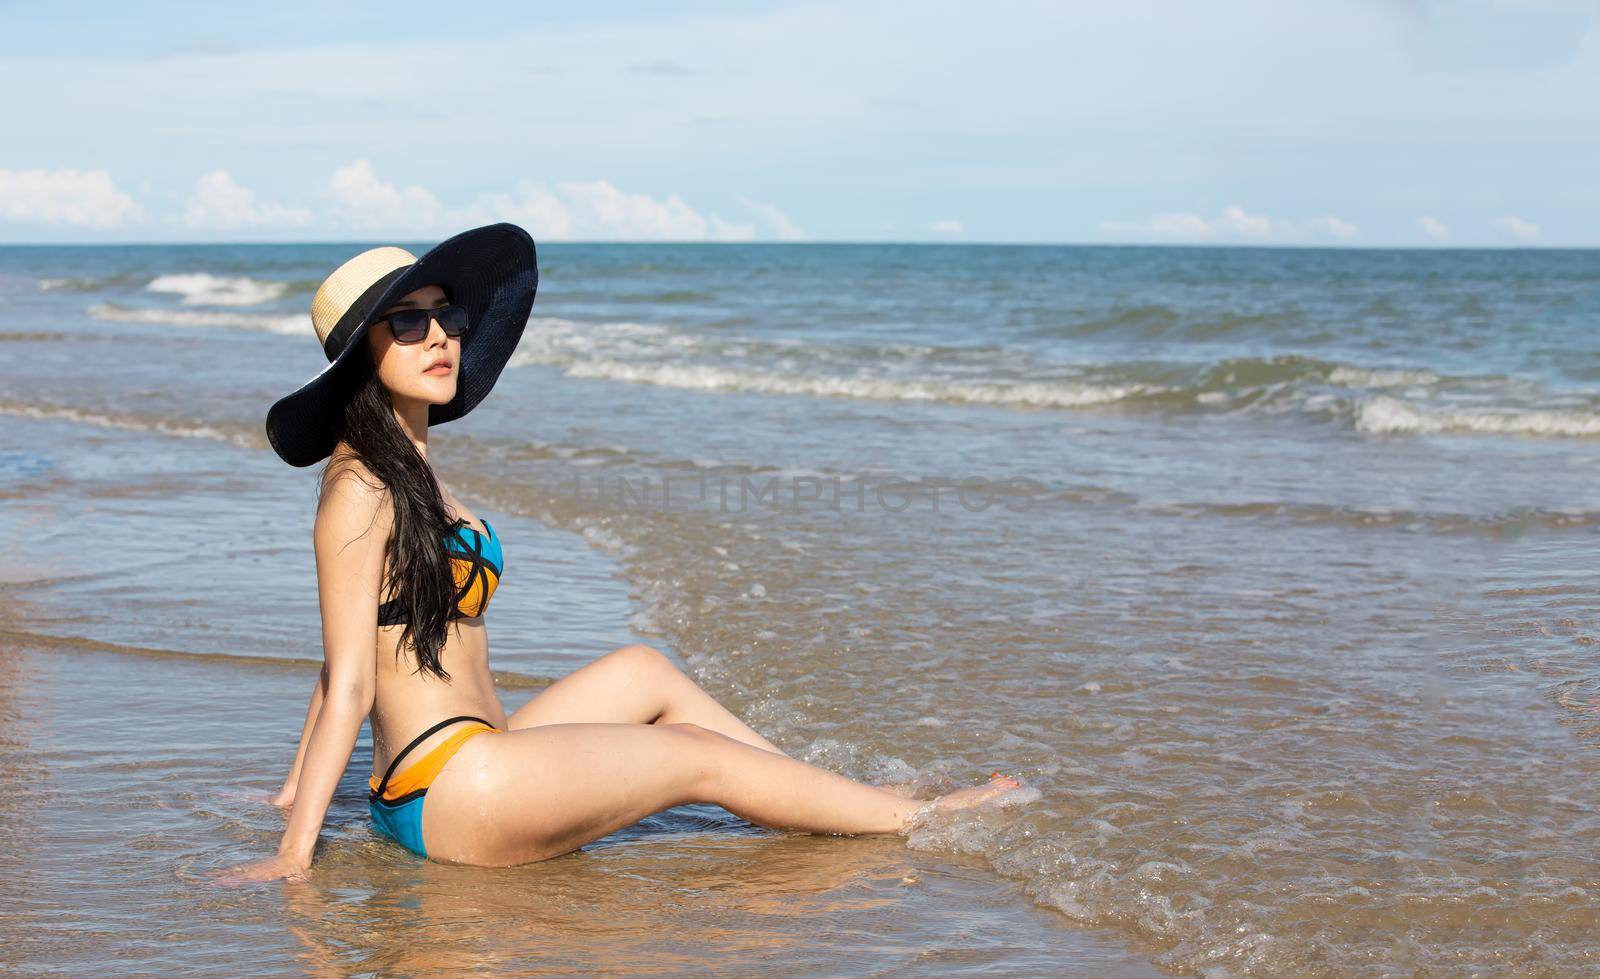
423,371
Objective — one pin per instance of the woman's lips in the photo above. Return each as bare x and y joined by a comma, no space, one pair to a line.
440,369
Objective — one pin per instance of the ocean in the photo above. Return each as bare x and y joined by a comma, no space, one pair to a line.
1271,569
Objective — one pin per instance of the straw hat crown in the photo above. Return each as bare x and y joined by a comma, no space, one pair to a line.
340,290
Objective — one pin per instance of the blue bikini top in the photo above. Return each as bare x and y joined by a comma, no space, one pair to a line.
476,563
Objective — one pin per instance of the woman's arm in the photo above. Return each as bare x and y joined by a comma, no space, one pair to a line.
351,536
333,740
319,689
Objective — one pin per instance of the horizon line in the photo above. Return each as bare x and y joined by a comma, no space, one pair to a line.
1258,246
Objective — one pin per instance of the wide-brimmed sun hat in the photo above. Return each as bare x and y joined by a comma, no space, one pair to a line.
493,271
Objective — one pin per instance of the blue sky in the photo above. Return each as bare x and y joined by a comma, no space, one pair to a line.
1338,122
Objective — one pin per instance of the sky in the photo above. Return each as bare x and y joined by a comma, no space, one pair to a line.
1351,123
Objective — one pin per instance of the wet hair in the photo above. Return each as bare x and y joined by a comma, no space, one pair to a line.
418,572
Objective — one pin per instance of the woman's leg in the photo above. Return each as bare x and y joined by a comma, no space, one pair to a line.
635,684
539,792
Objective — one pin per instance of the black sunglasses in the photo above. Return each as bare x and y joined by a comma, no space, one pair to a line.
412,325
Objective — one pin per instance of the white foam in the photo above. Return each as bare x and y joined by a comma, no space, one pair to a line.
603,539
294,324
556,341
205,289
641,353
101,420
76,284
1360,377
1385,415
651,354
1046,394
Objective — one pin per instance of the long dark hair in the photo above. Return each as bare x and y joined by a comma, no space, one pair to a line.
418,570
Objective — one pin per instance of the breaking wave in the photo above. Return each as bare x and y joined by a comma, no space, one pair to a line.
295,324
205,289
1376,400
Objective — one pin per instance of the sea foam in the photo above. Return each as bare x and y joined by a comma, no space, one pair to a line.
1385,415
205,289
294,324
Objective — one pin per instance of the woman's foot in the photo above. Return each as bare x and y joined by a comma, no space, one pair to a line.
997,786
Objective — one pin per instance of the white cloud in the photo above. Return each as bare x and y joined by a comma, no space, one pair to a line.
356,199
729,231
778,223
1233,224
363,201
1236,221
572,209
1335,227
609,212
1434,228
947,226
531,206
219,202
85,198
1518,228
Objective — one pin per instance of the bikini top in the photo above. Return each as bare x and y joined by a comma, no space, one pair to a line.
476,563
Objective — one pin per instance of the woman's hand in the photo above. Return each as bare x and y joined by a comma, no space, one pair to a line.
284,797
276,867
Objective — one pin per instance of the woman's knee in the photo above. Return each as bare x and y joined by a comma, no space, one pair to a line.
708,754
644,654
689,729
647,661
700,738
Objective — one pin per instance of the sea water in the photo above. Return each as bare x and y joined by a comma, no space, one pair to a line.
1273,571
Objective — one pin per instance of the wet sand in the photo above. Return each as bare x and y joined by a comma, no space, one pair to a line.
136,774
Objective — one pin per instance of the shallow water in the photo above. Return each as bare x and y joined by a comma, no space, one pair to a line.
129,798
1288,608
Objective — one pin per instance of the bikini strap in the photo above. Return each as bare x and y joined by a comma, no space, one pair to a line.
418,740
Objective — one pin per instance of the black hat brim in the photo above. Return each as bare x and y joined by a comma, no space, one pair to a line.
493,271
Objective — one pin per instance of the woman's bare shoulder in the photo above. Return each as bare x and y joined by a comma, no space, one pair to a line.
351,495
345,464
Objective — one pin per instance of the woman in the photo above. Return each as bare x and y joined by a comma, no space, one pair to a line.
418,342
